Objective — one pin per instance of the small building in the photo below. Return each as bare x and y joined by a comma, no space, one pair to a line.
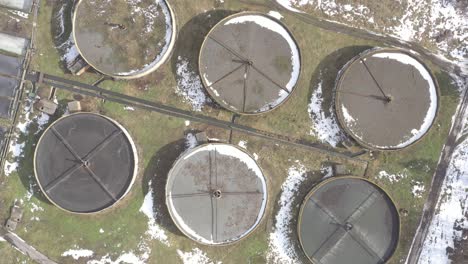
47,106
16,216
78,66
11,225
201,138
74,106
339,170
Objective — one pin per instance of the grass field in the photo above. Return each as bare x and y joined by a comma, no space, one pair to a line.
160,139
439,26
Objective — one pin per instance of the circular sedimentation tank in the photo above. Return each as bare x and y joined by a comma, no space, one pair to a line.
124,39
216,194
85,163
348,220
386,99
249,63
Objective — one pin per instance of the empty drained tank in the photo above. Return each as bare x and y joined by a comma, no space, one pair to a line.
249,63
124,39
386,99
216,194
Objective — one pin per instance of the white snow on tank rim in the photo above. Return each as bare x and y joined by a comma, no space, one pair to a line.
432,111
233,152
274,26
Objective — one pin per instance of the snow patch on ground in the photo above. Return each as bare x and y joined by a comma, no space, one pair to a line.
441,24
35,207
10,167
69,51
332,8
78,253
434,19
280,245
324,126
42,120
190,141
417,188
17,144
292,4
189,85
19,13
60,20
196,256
242,144
154,230
255,155
327,171
392,178
275,14
28,195
128,258
141,254
452,211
